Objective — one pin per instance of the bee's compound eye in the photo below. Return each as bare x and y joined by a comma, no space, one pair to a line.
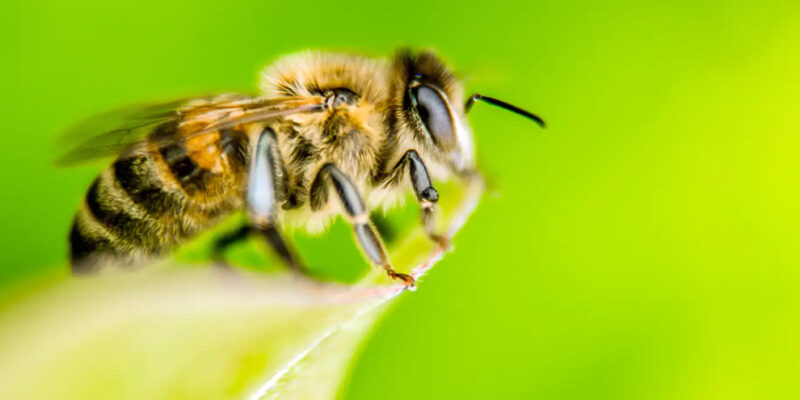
344,96
434,113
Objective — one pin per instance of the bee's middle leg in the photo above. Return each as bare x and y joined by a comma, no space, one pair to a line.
368,238
260,198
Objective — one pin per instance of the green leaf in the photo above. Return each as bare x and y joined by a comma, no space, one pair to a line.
196,333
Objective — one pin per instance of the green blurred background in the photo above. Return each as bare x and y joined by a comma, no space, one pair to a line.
643,246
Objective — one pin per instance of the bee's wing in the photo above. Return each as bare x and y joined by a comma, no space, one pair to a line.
110,134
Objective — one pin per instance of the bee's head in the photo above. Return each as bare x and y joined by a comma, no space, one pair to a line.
429,104
429,109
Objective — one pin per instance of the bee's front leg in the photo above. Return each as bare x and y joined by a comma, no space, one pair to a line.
353,205
427,196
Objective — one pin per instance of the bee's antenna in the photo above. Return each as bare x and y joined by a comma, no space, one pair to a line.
502,104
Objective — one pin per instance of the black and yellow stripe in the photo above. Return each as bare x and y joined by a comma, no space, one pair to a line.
148,201
191,177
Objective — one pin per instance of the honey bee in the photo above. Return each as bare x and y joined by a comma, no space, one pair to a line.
330,134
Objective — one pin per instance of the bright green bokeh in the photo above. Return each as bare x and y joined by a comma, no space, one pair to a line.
643,246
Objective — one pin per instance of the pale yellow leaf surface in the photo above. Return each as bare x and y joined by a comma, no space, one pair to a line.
198,333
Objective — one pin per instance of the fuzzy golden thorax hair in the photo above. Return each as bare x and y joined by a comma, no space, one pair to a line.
351,134
312,73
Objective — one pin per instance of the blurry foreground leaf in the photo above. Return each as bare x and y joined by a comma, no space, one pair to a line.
168,333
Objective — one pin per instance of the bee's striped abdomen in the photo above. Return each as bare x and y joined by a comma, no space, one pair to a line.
149,201
122,216
140,181
86,244
190,176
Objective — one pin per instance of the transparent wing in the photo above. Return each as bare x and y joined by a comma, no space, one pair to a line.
110,134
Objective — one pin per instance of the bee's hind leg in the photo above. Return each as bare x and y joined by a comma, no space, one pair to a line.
260,198
273,238
281,248
222,243
368,238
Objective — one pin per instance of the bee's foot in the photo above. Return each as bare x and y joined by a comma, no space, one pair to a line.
408,280
441,241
